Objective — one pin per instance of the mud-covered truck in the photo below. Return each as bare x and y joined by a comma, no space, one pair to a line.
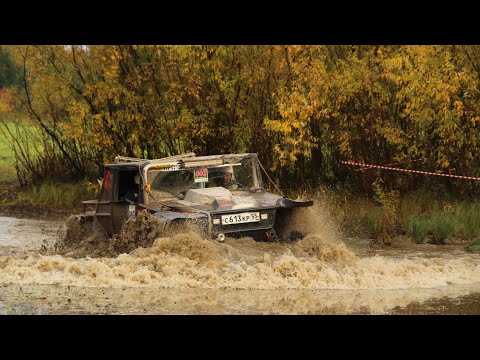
224,194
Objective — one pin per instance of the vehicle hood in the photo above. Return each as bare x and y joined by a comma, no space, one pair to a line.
221,199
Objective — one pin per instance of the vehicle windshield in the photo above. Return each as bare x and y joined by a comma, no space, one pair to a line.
233,173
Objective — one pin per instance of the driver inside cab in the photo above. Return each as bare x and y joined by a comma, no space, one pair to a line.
226,178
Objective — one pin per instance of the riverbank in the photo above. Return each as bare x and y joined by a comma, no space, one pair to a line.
34,212
10,206
391,221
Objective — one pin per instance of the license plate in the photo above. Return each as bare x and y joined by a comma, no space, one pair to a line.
245,217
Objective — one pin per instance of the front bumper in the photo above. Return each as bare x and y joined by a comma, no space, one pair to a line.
243,228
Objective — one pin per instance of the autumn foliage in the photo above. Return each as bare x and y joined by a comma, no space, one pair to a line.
303,109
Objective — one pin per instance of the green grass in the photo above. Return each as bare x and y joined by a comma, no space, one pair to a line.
422,217
436,220
8,174
5,150
65,196
417,227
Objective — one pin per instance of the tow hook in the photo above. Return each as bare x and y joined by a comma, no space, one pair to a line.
221,237
270,235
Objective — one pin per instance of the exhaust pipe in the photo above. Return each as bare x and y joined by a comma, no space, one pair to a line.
221,237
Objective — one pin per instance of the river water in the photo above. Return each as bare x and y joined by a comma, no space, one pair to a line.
185,274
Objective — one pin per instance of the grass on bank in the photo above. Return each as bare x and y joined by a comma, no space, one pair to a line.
23,133
67,196
421,216
60,196
8,174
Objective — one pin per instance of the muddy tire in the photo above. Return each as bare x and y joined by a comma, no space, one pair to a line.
97,229
285,227
76,232
140,231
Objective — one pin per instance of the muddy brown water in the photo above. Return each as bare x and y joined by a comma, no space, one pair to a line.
185,274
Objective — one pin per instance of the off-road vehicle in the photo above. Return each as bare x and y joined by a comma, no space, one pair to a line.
193,189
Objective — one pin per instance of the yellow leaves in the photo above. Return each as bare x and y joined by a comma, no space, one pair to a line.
296,139
360,102
474,120
6,101
459,108
345,149
458,105
392,134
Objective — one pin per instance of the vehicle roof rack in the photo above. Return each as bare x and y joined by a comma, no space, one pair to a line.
125,159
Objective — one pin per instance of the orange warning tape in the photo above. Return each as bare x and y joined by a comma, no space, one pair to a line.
409,171
398,163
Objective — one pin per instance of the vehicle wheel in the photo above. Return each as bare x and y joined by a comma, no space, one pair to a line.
97,229
285,227
75,229
140,231
295,235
